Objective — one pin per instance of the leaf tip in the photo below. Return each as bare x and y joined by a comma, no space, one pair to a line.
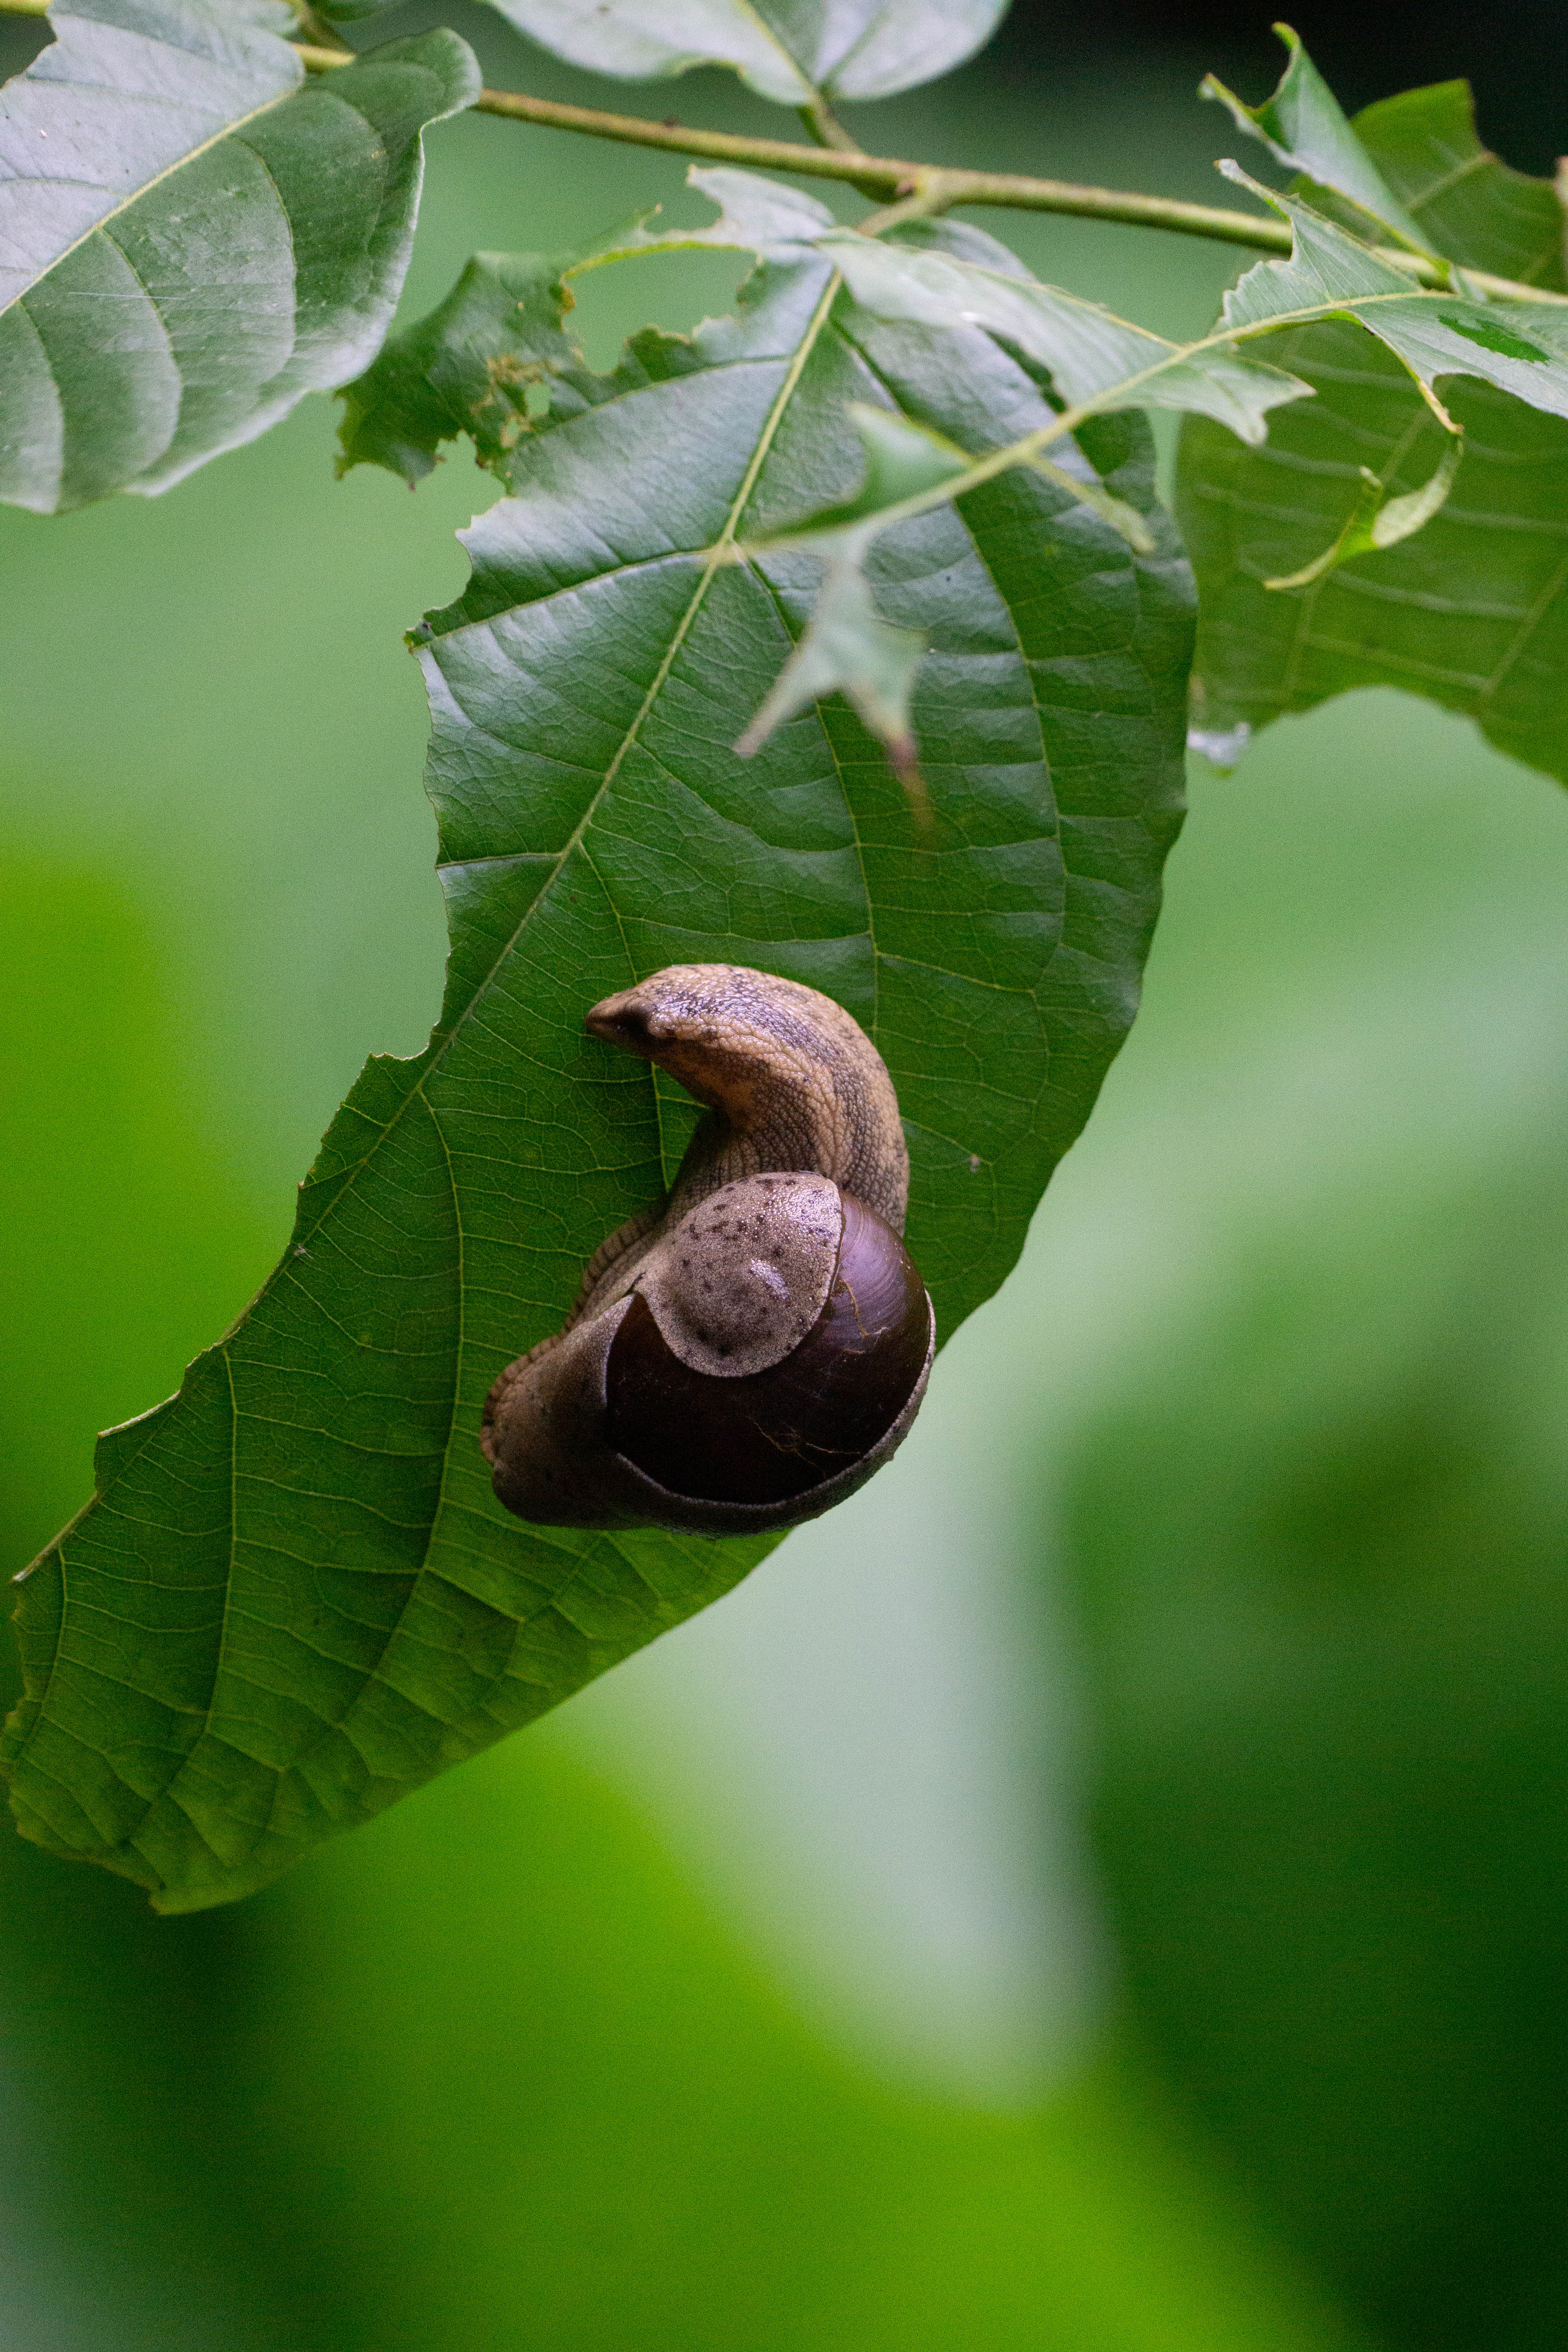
1236,173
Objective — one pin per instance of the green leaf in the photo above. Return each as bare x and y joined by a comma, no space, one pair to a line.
1468,205
1097,360
1094,358
1521,348
165,165
480,363
1472,612
493,360
847,649
295,1596
1304,125
792,51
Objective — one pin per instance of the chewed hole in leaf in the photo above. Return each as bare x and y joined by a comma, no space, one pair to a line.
672,292
1494,337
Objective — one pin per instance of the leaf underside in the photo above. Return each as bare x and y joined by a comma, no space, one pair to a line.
792,51
1473,611
164,168
294,1597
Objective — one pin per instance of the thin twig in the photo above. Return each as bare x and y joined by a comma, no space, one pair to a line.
896,180
888,176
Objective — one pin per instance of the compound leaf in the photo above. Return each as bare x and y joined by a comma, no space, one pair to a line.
164,164
294,1596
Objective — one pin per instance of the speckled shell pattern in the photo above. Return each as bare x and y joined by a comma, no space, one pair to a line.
737,1268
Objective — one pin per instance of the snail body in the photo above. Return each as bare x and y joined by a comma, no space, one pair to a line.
749,1354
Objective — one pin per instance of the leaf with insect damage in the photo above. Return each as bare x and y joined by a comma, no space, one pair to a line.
1472,611
294,1596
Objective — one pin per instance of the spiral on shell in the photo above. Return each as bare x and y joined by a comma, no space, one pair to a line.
748,1354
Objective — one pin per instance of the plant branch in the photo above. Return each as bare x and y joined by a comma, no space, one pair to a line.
937,188
888,176
932,187
923,199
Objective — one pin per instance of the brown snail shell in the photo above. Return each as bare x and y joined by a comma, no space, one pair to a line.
751,1355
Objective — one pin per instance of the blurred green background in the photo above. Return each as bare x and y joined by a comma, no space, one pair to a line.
1102,1889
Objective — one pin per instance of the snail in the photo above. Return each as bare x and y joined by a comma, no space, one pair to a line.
748,1354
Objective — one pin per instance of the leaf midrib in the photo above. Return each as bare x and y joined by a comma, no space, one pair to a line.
716,556
145,187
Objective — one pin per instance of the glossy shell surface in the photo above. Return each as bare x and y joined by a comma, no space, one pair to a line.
768,1436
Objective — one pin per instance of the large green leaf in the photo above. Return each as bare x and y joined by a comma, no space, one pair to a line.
294,1596
793,51
163,166
1473,611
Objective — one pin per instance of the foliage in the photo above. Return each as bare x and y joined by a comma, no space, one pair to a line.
169,169
293,1596
1472,612
792,51
383,1615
